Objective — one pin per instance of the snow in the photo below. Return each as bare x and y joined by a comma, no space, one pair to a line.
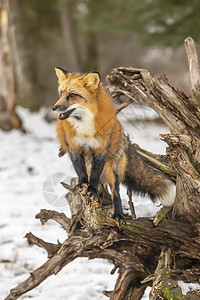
186,287
27,161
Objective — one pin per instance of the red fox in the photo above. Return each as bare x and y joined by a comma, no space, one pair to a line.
90,132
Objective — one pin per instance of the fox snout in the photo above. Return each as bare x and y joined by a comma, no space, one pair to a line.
59,108
54,107
63,111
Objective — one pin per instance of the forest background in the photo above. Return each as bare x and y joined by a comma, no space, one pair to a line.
86,35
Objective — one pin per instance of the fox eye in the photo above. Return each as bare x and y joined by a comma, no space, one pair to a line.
72,95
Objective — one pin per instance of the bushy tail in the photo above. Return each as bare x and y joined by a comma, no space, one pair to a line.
144,179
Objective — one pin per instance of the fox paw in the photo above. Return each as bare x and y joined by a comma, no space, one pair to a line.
81,187
92,191
119,218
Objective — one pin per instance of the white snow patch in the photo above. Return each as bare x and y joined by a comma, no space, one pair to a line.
186,287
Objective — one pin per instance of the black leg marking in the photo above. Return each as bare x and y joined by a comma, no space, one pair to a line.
98,164
118,212
79,166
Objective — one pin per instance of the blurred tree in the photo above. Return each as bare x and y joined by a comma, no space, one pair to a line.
8,116
81,43
28,21
166,22
155,21
69,36
21,54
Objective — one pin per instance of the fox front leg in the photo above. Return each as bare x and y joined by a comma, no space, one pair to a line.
98,164
79,166
118,211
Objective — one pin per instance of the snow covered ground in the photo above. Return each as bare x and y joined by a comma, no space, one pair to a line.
26,161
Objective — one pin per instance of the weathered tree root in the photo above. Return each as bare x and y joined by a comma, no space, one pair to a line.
96,235
181,115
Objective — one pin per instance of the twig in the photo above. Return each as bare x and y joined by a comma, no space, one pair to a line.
49,247
131,205
161,166
161,214
67,186
122,106
60,218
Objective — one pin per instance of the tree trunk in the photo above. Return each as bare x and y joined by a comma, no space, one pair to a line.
74,61
91,62
75,54
8,116
24,57
145,254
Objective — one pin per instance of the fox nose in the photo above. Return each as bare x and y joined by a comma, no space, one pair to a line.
54,107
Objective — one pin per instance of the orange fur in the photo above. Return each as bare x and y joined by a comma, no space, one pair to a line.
88,129
101,106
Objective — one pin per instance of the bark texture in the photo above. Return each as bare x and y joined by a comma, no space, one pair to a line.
143,253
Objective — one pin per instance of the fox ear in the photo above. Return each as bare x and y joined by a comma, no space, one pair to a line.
92,81
61,74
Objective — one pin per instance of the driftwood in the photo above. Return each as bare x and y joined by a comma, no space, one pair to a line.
143,253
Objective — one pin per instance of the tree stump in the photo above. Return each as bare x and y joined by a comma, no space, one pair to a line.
144,254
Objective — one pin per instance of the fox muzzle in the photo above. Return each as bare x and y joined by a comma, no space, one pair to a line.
59,108
63,111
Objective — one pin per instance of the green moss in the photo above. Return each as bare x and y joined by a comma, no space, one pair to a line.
165,171
169,287
169,294
134,228
197,98
198,113
161,214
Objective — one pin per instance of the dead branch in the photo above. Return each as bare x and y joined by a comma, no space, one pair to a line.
49,247
193,63
122,106
60,218
160,162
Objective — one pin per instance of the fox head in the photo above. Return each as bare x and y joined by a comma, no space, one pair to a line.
76,94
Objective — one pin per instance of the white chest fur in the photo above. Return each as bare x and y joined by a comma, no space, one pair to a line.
86,142
82,120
